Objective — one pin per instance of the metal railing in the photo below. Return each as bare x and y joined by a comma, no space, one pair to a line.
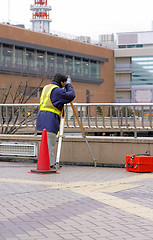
94,117
18,118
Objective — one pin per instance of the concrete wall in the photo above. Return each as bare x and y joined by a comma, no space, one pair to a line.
109,151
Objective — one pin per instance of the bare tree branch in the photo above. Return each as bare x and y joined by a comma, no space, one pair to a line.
17,97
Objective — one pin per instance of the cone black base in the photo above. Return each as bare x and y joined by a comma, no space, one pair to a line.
45,171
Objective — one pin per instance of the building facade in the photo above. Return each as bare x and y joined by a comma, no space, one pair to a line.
31,59
134,67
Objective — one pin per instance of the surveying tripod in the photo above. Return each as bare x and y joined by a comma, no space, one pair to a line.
61,134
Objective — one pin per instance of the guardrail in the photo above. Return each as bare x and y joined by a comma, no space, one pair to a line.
94,117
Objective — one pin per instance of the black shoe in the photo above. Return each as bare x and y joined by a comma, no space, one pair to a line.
59,166
52,167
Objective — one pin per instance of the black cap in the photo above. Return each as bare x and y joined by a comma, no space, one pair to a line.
59,77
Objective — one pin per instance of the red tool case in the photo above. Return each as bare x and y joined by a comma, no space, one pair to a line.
139,163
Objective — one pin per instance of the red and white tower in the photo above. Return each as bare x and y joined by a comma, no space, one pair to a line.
40,16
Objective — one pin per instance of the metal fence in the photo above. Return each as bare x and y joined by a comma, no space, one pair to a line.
94,117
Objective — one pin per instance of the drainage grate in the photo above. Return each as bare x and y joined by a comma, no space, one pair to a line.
18,149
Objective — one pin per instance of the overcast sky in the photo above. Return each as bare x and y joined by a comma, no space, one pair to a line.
86,17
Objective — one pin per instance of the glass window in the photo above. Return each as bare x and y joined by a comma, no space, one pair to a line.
77,66
93,69
33,59
30,58
130,46
19,56
98,69
50,62
142,70
1,52
85,67
122,46
60,63
40,60
139,45
7,55
68,65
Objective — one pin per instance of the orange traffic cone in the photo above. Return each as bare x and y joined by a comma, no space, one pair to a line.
43,164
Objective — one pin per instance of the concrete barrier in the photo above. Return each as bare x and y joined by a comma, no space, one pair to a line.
109,151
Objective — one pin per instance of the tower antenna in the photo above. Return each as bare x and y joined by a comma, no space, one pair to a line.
40,16
8,11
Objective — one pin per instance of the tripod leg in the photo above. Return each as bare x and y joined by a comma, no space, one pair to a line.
61,133
83,133
94,160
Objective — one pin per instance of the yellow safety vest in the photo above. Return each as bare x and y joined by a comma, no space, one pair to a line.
45,101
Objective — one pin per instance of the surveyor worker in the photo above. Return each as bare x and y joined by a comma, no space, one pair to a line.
52,101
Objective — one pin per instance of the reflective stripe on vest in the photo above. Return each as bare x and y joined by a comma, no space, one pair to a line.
45,101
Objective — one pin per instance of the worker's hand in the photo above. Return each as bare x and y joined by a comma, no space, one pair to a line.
68,80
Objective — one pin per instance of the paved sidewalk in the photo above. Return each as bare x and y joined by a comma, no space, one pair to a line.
84,203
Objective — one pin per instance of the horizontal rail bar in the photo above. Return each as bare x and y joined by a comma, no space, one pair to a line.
93,116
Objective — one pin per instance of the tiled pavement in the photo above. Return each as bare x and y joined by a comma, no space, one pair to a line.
84,203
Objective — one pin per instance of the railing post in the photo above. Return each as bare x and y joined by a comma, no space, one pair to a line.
135,134
121,114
